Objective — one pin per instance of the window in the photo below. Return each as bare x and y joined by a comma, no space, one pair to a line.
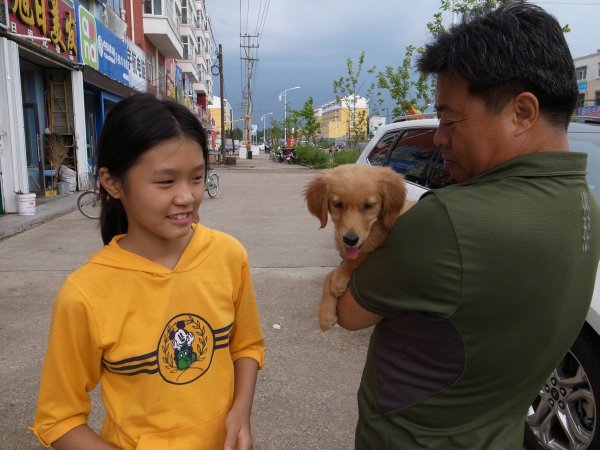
115,5
184,13
581,73
597,99
186,47
378,155
419,159
162,81
150,67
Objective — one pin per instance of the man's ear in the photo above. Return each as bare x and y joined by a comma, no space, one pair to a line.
110,184
526,112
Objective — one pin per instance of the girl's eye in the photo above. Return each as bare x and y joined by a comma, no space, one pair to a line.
199,178
165,182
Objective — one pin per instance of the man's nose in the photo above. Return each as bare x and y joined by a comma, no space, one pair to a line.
441,136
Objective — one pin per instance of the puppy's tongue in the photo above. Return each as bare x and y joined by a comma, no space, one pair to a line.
352,252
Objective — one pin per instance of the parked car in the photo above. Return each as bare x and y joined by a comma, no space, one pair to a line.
566,414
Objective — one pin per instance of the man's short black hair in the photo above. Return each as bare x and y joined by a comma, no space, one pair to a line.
515,48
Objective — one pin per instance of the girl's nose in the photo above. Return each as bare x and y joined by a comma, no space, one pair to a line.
185,195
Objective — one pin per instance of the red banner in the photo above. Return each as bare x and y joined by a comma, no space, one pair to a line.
48,23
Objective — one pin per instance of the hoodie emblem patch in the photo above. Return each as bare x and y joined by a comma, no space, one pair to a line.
185,351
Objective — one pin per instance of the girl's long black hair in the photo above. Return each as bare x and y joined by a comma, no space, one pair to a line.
132,127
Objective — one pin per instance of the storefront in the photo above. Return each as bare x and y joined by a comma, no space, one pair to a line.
106,61
39,85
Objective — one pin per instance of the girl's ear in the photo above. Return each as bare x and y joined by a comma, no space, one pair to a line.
110,184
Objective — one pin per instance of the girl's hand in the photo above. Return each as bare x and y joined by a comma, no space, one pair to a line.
239,436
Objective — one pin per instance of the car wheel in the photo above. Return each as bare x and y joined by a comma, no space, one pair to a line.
563,416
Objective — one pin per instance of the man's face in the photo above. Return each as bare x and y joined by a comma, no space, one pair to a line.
474,140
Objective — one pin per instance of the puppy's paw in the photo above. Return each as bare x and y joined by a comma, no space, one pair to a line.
327,313
339,283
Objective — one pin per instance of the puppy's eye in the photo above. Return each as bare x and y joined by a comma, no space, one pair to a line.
338,205
368,206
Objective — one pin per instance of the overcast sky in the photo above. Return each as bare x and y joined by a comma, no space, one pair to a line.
306,42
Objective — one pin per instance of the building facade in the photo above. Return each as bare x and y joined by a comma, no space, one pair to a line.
64,65
587,70
340,120
215,112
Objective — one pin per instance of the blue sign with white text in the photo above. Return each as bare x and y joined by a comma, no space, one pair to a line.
113,59
582,86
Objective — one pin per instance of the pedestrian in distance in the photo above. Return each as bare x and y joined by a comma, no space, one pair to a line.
164,316
482,286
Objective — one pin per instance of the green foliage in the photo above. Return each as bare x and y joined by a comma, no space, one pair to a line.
345,157
307,121
400,84
347,87
312,156
276,131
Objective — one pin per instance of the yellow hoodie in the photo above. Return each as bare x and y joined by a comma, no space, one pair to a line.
161,342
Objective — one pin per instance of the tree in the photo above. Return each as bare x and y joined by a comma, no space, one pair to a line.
276,131
403,88
307,120
346,89
410,91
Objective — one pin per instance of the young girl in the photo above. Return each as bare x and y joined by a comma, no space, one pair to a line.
164,316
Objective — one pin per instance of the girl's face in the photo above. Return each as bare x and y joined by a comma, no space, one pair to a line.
162,192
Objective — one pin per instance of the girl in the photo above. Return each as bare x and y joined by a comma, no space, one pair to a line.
163,316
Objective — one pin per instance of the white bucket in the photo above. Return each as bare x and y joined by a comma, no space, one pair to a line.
26,204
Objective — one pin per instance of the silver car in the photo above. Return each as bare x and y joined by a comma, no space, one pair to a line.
564,415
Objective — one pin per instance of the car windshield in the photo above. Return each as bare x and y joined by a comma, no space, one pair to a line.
590,144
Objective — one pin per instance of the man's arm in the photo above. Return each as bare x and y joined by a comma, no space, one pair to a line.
352,316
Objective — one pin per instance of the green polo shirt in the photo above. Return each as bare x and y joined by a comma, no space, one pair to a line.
484,287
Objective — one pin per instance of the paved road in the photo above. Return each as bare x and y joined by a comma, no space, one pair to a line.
306,393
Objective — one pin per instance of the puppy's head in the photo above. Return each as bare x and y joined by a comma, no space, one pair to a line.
356,197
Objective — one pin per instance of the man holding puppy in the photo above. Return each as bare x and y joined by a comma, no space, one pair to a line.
481,287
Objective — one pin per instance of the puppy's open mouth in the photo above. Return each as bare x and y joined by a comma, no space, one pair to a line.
351,252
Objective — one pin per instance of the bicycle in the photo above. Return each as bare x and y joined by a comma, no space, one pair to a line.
212,184
88,202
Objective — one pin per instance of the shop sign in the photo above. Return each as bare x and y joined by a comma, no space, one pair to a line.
589,111
101,49
52,21
179,83
137,67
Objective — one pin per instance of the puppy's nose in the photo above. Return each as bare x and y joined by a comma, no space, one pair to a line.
350,240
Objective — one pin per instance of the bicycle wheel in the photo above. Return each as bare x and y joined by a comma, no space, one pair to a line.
212,185
88,204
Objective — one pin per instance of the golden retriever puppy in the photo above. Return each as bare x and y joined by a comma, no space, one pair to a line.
364,202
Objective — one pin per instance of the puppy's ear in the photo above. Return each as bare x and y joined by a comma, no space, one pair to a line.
393,194
315,194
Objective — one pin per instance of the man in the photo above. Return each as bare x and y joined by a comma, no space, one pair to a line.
481,287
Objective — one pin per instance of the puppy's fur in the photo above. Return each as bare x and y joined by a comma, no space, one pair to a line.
364,202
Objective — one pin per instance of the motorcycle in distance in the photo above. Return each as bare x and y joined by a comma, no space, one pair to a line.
288,154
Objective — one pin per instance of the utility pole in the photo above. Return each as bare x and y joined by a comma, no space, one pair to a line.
222,93
248,46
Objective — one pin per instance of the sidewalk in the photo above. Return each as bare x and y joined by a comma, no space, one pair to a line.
48,208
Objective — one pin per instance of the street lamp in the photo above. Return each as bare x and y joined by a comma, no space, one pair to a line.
284,93
263,119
